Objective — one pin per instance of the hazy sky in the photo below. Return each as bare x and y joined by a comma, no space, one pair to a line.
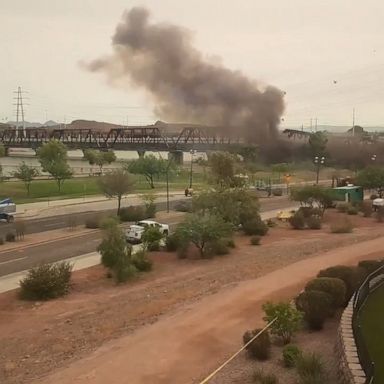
300,46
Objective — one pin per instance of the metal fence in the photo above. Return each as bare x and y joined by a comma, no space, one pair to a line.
370,284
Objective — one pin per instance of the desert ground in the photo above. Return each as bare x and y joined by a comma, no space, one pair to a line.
176,323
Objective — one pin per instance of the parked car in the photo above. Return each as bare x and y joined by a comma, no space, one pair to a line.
134,233
7,208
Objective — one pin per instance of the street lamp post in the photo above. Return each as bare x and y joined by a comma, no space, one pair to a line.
318,161
192,152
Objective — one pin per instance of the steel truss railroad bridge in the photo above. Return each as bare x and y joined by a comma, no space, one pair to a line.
149,138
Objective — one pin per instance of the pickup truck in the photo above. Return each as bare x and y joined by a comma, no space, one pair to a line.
135,232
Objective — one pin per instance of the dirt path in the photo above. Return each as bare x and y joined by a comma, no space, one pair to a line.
182,347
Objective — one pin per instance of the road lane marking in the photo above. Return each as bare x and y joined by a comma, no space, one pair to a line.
13,260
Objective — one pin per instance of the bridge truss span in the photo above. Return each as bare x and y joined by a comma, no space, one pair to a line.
124,138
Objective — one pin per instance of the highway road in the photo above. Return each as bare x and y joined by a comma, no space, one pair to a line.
47,223
28,257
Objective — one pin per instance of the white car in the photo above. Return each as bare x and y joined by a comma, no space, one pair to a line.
135,232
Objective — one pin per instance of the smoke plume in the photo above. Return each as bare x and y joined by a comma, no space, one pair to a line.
185,88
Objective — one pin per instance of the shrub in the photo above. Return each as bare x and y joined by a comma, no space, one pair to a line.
310,368
1,241
271,223
310,211
182,251
288,319
172,242
151,238
352,277
46,281
260,348
153,247
141,261
352,211
92,222
20,229
290,355
366,209
255,226
132,213
218,247
255,240
380,214
297,221
342,207
316,307
10,237
342,226
259,377
314,222
333,286
230,243
72,222
183,206
124,272
370,266
150,210
277,192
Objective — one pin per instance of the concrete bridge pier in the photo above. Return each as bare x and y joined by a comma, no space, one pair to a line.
176,156
141,152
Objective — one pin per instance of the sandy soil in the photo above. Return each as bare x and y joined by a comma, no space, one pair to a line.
172,327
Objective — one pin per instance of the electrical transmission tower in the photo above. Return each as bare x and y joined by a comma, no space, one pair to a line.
19,111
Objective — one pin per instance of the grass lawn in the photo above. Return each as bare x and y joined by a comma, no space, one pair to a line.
42,190
373,330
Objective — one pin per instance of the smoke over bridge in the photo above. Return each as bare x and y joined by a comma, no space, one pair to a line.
184,87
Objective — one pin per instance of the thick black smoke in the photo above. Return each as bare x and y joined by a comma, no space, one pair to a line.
160,58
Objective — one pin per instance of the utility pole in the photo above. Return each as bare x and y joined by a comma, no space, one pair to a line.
316,124
311,125
19,110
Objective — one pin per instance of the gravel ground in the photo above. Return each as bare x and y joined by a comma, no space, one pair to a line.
36,338
241,369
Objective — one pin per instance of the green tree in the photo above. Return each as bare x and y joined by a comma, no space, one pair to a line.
287,319
311,195
371,178
99,158
26,174
115,254
148,166
53,159
202,230
234,205
318,143
116,184
222,167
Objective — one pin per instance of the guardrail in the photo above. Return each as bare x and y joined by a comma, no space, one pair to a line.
370,284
